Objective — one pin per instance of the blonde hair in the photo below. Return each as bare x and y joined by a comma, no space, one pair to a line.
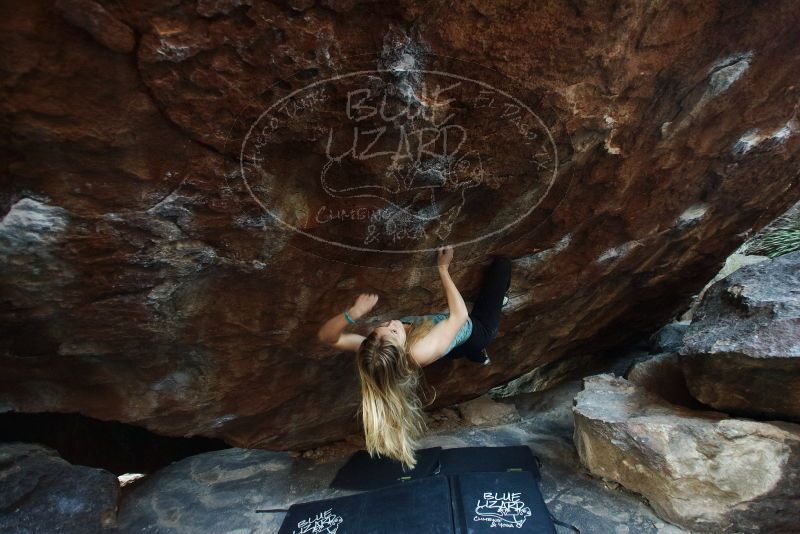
391,407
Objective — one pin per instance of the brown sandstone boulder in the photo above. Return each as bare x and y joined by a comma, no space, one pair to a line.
700,470
485,411
662,374
144,274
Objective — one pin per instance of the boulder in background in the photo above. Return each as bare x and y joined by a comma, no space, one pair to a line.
700,470
42,493
742,350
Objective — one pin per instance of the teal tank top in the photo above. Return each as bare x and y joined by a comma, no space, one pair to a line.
463,334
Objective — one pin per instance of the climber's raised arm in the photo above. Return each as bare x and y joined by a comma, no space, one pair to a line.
435,344
458,308
332,332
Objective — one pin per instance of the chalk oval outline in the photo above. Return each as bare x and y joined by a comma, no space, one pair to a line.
390,71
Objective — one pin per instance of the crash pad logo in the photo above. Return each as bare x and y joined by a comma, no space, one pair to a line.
502,510
324,523
399,160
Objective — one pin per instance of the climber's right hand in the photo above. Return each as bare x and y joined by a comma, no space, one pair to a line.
444,256
363,305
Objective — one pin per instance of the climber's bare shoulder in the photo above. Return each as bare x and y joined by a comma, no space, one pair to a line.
433,346
348,341
422,354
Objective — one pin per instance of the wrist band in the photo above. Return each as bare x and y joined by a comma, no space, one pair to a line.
348,318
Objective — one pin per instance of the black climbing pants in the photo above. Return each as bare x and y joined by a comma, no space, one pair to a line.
486,311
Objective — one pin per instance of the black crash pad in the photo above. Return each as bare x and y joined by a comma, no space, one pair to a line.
492,502
417,507
469,503
362,472
487,459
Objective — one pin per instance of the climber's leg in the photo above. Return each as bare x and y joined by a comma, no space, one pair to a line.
489,303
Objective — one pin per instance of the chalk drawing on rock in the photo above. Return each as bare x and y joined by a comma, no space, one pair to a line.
395,155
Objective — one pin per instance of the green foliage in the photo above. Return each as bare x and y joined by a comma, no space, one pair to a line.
778,238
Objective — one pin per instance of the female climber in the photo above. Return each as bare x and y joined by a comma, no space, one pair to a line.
390,358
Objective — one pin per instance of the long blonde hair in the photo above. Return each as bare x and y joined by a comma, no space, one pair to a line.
391,406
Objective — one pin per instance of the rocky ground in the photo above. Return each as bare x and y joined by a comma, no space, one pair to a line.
219,491
40,492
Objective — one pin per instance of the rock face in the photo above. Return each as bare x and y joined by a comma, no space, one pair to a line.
701,470
221,491
742,350
191,188
485,411
663,375
669,338
40,492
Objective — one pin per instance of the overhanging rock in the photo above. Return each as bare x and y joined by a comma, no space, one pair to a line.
617,151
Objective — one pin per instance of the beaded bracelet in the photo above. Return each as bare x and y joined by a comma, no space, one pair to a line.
348,318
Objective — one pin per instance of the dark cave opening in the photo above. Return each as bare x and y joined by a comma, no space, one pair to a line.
116,447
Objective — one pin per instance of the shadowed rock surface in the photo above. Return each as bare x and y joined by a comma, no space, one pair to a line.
702,470
41,493
143,281
663,375
742,350
109,445
669,338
